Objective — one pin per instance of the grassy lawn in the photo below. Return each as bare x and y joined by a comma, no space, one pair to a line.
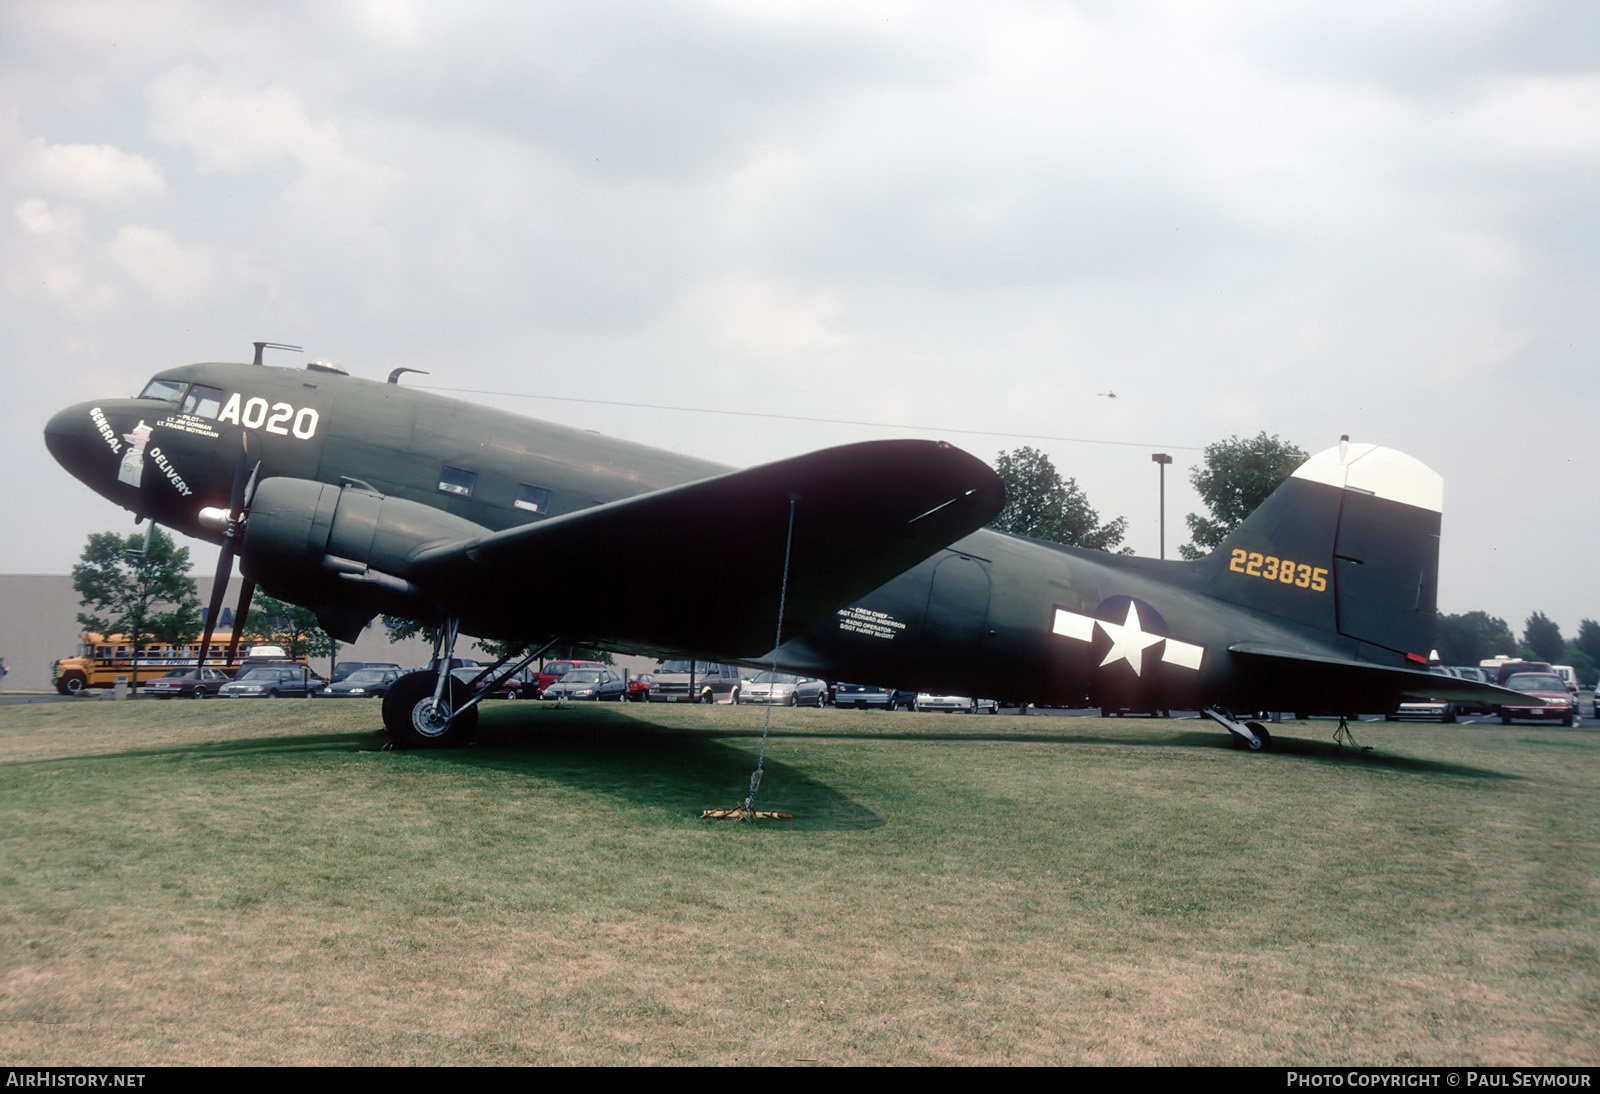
256,883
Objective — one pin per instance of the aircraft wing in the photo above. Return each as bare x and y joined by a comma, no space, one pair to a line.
700,568
1318,682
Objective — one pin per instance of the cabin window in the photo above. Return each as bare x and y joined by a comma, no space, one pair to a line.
453,480
203,401
535,499
169,391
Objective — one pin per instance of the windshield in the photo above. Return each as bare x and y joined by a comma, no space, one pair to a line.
166,390
365,676
1535,681
581,676
775,678
697,667
260,674
181,674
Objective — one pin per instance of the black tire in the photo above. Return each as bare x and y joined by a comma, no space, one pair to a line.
272,693
198,693
973,709
1567,721
822,699
1505,719
71,685
893,704
794,698
707,697
412,723
1449,714
1263,741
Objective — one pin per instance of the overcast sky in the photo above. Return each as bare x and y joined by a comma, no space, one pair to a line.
1378,219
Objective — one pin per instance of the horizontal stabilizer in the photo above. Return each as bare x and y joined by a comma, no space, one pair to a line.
1323,683
700,568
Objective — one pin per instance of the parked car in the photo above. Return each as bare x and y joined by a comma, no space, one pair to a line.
785,689
951,704
344,668
370,683
588,685
867,697
1548,698
639,686
272,681
555,670
1425,708
522,684
695,682
187,684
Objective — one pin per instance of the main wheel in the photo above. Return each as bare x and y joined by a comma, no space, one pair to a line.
199,693
71,685
414,722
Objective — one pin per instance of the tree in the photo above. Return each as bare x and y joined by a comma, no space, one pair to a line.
290,626
1471,637
1235,478
1588,640
1543,638
123,583
1041,504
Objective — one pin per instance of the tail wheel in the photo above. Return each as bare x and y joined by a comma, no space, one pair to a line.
414,721
1263,740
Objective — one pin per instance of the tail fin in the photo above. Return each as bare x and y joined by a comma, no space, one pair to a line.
1348,544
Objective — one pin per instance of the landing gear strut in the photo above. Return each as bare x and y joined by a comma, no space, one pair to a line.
1252,736
435,709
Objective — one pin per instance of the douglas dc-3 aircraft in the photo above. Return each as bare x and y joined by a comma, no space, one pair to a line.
355,498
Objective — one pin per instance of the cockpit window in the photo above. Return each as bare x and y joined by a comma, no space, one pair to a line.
166,390
203,401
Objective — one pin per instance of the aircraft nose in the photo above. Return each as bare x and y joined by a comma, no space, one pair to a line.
72,437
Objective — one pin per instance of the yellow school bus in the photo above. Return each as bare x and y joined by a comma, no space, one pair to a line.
104,660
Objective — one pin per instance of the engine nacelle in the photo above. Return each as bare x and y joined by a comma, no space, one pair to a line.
345,551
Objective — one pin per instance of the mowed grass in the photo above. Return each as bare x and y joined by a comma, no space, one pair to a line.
255,883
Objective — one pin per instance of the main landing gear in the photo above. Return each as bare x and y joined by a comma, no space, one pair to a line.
434,709
1252,736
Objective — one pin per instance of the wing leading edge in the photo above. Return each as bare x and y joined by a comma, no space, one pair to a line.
700,568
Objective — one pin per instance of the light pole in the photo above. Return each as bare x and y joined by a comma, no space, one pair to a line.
1162,459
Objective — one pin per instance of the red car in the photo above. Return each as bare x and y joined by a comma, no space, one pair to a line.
1548,698
639,687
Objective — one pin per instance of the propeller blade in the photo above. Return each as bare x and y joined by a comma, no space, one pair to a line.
243,486
247,589
219,589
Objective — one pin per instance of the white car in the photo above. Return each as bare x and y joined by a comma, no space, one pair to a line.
950,704
782,689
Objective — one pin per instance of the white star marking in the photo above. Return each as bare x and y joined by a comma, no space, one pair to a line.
1129,640
1081,628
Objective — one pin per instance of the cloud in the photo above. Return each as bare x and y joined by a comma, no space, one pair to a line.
173,275
98,172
